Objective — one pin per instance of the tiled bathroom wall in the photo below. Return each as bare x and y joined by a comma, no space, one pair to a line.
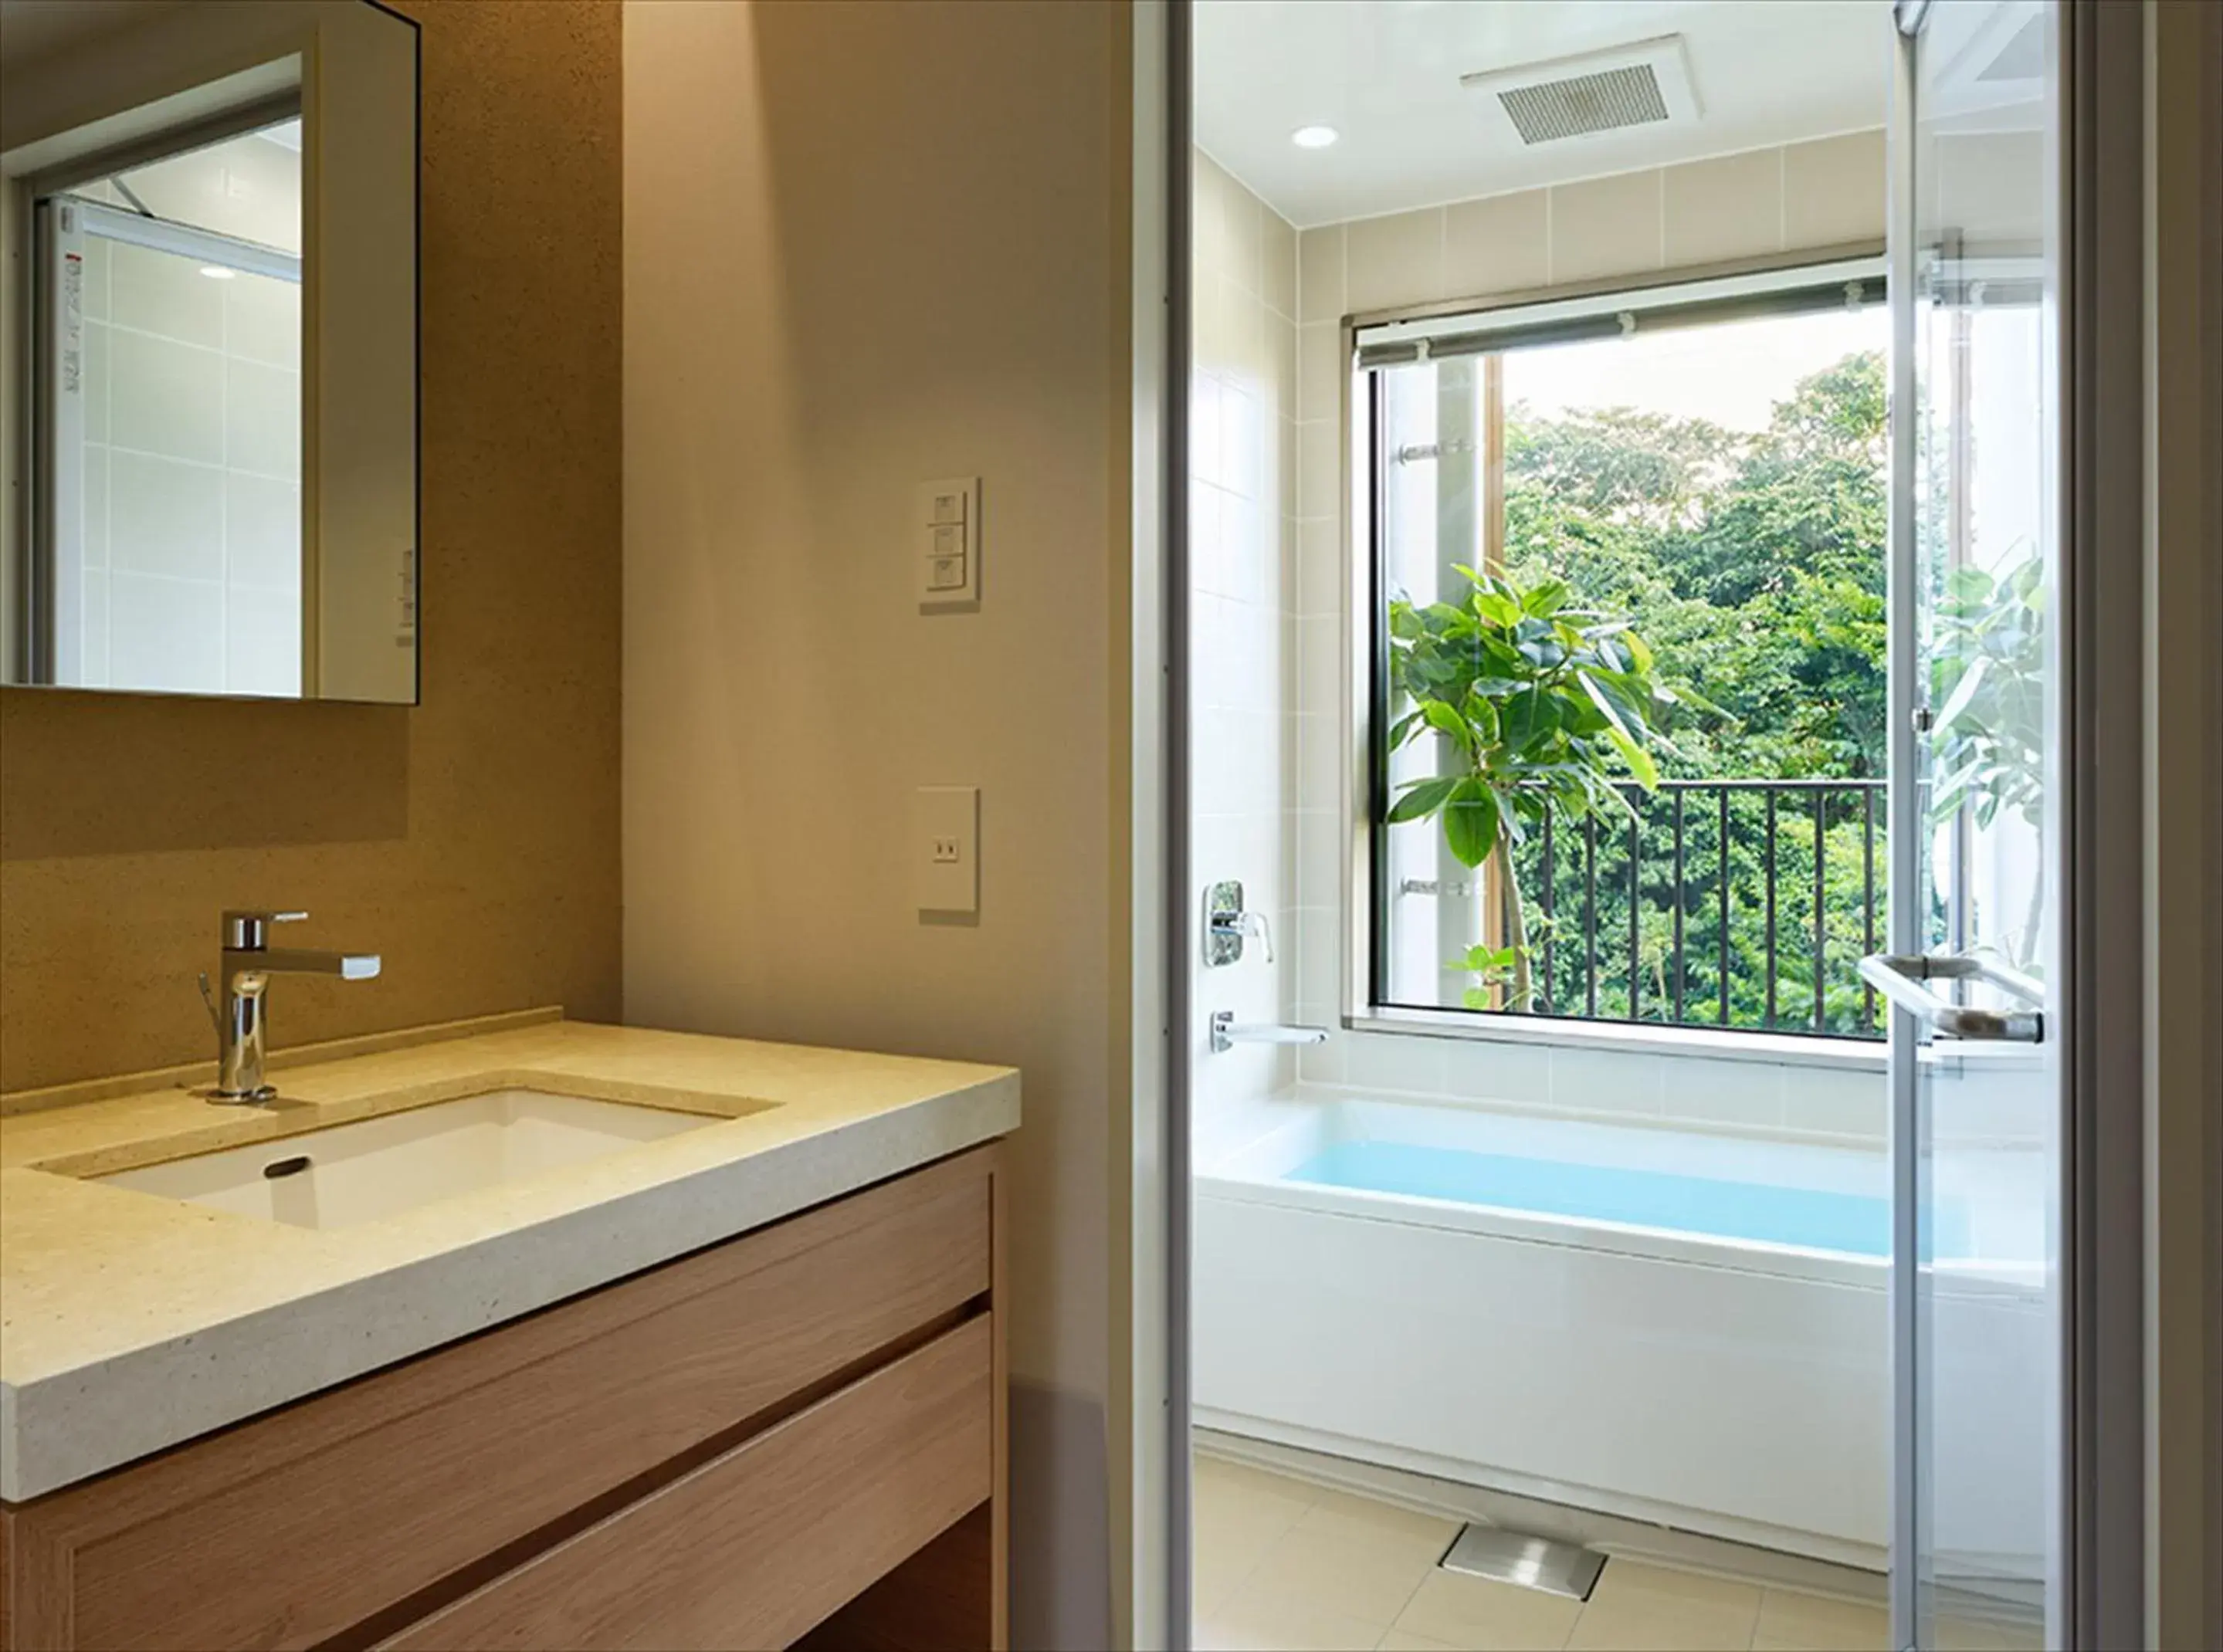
1241,547
1641,226
191,465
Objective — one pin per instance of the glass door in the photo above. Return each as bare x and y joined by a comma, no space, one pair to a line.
1972,974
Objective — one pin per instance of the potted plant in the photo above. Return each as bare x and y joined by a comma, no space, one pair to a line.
1539,705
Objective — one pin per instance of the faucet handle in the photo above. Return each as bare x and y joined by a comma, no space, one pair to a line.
243,926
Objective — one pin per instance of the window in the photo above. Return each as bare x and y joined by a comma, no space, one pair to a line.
1569,506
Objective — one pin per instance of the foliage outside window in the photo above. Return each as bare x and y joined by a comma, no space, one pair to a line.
1727,581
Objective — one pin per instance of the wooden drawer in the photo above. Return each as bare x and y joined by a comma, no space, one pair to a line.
756,1546
295,1527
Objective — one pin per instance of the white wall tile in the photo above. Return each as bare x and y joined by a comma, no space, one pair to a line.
1498,244
1320,477
165,293
94,292
262,641
1320,275
1320,584
1277,258
1242,439
1833,190
1320,662
93,629
166,633
1606,226
1842,1102
1211,227
1605,1081
164,397
1477,1071
1394,1064
262,419
263,531
1289,466
98,352
1320,758
93,512
262,319
1733,1094
1321,375
1323,843
1281,389
1729,207
1395,261
166,517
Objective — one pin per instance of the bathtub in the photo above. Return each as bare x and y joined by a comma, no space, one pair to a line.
1664,1325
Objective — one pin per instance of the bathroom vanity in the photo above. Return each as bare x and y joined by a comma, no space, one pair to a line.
726,1373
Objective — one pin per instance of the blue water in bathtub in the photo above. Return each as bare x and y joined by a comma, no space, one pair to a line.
1852,1222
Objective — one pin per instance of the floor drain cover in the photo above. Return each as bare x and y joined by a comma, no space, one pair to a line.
1505,1556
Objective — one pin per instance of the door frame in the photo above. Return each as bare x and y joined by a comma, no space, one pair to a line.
2101,328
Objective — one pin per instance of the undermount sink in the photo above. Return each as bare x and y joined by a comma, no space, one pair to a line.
373,1168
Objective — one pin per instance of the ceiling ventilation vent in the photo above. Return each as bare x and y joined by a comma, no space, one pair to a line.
1647,84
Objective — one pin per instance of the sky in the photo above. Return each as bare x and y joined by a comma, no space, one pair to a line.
1731,373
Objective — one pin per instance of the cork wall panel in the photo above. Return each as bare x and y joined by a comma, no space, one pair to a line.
472,839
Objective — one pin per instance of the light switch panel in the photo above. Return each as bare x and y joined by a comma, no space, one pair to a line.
945,848
945,545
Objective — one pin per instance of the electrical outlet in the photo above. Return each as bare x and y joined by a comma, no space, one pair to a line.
945,853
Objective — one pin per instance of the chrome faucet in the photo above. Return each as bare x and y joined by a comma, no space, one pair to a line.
249,962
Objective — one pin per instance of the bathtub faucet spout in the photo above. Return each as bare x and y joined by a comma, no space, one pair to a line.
1227,1032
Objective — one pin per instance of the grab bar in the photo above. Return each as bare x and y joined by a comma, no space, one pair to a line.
1227,1032
1900,978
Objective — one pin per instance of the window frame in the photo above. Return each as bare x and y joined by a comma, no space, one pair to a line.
1690,296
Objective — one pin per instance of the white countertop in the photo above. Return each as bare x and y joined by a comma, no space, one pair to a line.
130,1323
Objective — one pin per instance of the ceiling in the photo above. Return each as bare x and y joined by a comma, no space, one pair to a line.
1385,74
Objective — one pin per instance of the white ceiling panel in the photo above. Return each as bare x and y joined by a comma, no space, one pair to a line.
1386,75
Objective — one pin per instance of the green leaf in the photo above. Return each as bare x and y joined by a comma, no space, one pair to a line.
1471,822
1638,759
1445,720
1545,598
1422,798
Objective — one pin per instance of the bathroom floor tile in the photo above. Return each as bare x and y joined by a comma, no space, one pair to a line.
1344,1568
1265,1623
1241,1513
1476,1614
1792,1622
1333,1510
1641,1608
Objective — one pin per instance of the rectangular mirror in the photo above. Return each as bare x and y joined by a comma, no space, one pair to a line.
208,370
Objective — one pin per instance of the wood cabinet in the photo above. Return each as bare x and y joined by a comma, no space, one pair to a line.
725,1451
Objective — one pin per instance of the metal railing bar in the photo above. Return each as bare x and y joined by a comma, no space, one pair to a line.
1589,909
1768,865
1820,933
1867,902
1551,913
1635,908
1679,896
1721,847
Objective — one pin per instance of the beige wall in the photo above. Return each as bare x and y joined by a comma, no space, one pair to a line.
473,840
869,246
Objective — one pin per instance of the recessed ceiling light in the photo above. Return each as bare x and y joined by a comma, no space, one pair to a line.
1313,137
218,272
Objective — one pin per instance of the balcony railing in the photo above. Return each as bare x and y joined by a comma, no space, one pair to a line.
1744,904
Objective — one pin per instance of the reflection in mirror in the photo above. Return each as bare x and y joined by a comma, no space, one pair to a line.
211,373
